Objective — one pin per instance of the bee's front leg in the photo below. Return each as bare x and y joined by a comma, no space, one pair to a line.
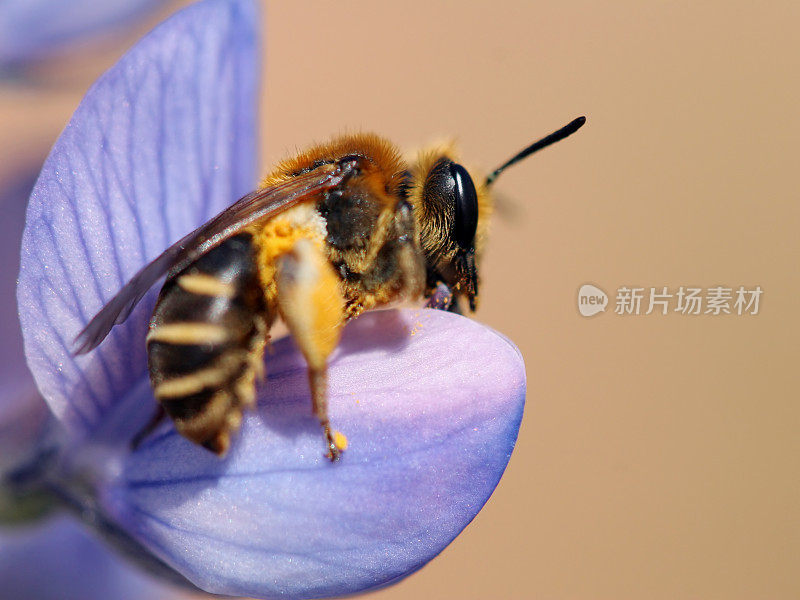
442,297
311,304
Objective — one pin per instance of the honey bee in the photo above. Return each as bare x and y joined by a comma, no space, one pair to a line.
336,230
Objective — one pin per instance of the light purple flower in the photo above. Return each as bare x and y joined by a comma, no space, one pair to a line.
53,559
23,414
431,402
58,560
31,29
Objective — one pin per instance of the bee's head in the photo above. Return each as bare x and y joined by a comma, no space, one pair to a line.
452,211
448,208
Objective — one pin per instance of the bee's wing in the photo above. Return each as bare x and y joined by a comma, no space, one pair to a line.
255,206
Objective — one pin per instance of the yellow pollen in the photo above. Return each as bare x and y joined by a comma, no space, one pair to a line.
340,440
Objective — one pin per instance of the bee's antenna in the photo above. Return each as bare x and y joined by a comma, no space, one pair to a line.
542,143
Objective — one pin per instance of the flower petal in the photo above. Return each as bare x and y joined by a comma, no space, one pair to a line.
30,29
431,403
59,560
164,140
22,411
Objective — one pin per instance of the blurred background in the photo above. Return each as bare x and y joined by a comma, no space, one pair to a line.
659,454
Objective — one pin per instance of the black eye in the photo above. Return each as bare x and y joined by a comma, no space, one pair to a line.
466,206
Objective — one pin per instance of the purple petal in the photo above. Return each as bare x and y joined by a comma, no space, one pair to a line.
431,403
58,560
164,140
22,411
30,29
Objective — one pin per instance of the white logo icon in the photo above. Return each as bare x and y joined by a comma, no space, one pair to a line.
591,300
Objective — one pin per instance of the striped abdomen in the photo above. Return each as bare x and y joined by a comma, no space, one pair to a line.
206,342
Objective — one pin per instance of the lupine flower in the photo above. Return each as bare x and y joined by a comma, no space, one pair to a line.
53,558
22,411
431,402
33,29
59,560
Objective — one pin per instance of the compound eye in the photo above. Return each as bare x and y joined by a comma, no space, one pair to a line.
466,206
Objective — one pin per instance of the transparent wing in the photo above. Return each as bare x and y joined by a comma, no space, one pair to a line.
255,206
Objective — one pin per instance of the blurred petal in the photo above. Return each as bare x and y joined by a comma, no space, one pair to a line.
431,403
30,29
14,374
164,140
23,413
58,561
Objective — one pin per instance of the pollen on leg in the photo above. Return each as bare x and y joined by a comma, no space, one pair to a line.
340,440
310,301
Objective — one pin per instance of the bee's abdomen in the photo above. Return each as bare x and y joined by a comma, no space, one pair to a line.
206,341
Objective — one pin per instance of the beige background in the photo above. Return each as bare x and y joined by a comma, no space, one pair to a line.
658,456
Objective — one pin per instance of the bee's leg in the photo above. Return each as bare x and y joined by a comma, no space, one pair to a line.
441,298
154,422
455,307
311,304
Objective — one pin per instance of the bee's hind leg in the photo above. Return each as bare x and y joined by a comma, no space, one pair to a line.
311,304
335,441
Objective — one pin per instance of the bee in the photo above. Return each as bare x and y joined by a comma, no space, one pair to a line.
336,230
